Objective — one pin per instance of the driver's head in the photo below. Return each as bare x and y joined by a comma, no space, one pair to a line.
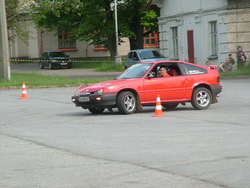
162,70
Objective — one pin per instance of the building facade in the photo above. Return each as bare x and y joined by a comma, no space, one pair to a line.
201,30
41,40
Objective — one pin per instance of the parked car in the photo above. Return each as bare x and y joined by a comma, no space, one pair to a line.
54,59
142,55
140,85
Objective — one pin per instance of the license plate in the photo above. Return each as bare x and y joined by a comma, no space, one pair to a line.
83,99
63,63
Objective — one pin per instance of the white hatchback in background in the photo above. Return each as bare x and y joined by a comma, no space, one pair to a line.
142,55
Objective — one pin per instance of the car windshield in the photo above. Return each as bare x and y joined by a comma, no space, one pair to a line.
57,54
135,71
150,55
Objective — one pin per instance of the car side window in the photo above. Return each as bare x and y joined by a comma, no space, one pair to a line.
130,55
135,57
172,69
192,69
45,55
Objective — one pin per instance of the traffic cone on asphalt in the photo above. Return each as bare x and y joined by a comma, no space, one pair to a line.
24,92
158,109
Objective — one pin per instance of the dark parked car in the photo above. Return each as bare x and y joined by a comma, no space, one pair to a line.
55,59
142,55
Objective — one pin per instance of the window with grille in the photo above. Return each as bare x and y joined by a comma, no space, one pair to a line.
151,39
213,37
175,41
65,43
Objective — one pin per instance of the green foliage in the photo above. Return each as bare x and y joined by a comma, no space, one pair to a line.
238,72
16,13
100,65
48,81
93,21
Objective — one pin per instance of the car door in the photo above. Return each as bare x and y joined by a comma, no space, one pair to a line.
132,59
169,89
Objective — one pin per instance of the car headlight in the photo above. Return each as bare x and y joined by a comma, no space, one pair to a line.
98,92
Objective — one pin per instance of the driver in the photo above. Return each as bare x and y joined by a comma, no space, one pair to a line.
163,71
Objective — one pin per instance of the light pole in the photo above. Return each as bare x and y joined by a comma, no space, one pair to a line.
4,47
118,59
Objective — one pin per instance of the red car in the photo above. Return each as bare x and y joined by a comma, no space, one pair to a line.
140,84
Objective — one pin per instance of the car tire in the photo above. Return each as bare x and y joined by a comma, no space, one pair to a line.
201,98
170,106
126,102
41,65
96,110
50,66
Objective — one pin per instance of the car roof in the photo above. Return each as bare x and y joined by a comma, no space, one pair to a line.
140,50
53,51
169,61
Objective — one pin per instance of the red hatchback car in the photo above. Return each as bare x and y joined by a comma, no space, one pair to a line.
140,84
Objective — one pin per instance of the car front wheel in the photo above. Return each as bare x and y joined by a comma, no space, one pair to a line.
126,102
50,66
96,110
41,65
201,98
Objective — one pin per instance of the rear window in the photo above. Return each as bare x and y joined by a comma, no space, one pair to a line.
192,69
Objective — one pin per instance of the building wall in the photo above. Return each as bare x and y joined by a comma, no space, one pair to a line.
42,40
233,27
193,15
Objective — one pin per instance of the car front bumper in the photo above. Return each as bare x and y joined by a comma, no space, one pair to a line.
61,64
95,101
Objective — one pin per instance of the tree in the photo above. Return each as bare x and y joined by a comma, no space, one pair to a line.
16,13
93,20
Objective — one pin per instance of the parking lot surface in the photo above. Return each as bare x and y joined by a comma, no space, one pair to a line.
71,73
46,141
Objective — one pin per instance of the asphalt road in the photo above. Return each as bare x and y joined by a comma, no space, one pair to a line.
71,73
46,141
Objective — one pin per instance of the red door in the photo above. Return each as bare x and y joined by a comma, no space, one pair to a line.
190,38
169,89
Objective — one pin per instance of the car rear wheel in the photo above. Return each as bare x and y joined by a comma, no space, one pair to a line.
41,65
96,110
170,106
201,98
126,102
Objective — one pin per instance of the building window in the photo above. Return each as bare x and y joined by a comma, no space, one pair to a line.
175,42
213,37
151,39
65,43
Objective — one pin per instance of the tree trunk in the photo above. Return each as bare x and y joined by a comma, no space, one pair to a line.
137,41
112,46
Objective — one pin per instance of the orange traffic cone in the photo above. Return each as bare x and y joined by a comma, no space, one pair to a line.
24,92
158,109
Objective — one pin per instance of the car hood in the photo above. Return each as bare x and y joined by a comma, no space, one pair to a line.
110,85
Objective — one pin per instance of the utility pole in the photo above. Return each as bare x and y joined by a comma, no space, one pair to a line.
118,59
4,47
